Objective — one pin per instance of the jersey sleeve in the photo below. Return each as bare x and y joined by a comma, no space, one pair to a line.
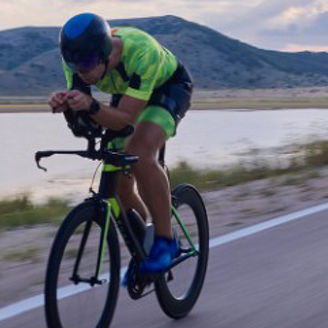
146,69
68,75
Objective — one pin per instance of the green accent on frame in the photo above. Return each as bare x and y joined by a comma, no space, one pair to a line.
175,213
103,247
111,168
115,207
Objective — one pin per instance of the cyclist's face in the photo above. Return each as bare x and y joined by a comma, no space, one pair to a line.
93,75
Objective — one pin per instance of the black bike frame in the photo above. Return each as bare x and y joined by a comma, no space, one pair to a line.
108,204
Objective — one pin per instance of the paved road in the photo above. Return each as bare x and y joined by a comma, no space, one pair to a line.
271,279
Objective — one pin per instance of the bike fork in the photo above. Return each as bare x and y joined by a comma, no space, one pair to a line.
104,209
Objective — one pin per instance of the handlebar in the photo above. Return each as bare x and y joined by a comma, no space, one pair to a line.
111,157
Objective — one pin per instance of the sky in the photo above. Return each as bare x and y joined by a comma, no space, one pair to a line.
288,25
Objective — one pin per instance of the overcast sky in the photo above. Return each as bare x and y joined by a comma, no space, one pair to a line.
291,25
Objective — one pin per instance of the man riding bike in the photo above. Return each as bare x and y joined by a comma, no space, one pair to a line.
150,90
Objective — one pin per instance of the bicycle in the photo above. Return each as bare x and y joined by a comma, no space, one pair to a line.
92,227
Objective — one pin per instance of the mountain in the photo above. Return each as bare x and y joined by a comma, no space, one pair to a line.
30,61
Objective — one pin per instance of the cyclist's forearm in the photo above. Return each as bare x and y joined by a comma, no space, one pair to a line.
112,118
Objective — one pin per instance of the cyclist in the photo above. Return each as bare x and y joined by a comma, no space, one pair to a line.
150,89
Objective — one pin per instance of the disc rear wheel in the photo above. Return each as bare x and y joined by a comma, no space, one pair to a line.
178,290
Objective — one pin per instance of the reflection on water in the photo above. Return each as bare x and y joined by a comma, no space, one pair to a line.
204,139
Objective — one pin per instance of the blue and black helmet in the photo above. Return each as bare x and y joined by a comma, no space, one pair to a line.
85,40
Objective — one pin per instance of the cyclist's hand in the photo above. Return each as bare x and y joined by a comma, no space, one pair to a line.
78,100
58,101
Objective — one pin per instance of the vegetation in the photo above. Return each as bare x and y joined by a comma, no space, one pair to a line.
21,211
301,167
28,254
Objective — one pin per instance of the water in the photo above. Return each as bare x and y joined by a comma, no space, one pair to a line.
204,139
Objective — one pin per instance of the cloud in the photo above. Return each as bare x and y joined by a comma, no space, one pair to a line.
306,27
245,20
281,23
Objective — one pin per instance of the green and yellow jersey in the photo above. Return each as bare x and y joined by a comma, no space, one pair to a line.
145,65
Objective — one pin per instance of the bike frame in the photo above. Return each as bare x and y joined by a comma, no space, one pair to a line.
108,205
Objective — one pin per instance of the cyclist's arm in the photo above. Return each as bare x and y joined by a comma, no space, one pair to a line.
109,117
127,112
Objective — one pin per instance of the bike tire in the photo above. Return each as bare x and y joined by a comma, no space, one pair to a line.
179,307
82,213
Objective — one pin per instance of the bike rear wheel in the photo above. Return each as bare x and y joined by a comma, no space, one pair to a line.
76,304
178,290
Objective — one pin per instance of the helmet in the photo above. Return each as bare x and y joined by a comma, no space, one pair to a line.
85,40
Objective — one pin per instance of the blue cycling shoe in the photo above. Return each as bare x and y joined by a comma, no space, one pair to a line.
162,253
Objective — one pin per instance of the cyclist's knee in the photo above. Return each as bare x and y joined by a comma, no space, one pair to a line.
146,163
146,141
147,158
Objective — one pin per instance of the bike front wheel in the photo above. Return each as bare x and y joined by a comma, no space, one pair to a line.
73,298
178,290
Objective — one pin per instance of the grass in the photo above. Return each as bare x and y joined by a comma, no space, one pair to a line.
303,165
21,211
211,179
29,254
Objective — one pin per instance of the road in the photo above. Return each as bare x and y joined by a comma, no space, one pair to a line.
270,279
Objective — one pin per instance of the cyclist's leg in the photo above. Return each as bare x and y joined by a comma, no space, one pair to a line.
127,191
157,123
151,179
129,195
153,184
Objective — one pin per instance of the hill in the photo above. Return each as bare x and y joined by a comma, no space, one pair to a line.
30,61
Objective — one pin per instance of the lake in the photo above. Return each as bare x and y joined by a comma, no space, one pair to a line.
211,138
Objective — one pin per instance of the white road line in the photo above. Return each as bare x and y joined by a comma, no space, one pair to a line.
38,301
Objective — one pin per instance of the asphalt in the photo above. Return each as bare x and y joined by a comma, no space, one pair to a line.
273,278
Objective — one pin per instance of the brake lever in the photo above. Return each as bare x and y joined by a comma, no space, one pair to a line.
39,155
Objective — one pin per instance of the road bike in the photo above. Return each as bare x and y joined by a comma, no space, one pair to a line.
83,273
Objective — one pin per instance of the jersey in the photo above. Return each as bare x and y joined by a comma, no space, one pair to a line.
144,66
